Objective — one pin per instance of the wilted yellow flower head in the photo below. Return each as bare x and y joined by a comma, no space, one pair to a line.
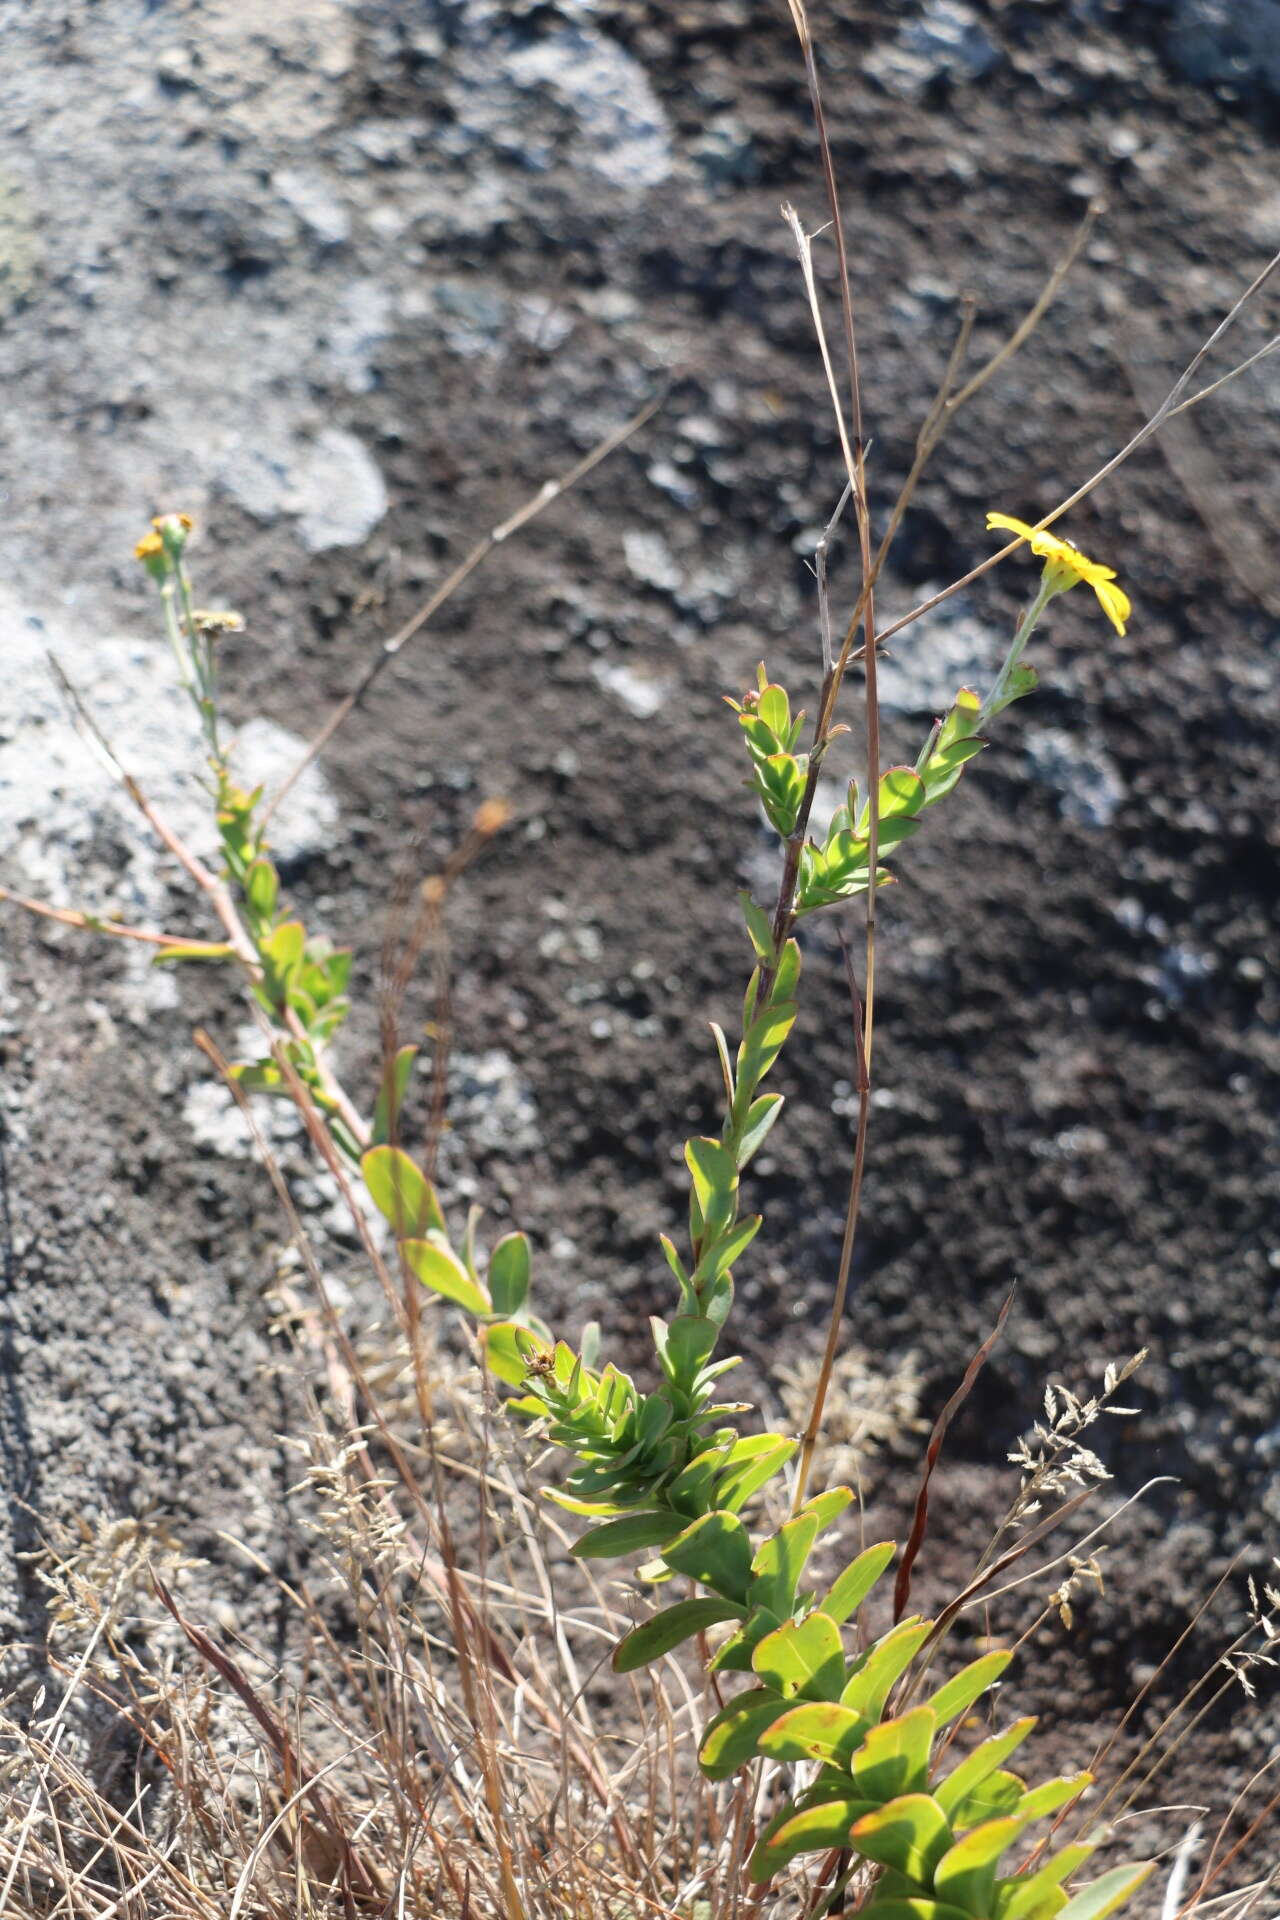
150,547
173,529
1065,566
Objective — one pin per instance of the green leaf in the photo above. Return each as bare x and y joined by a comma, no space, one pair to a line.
966,1873
779,1563
261,889
1022,681
910,1834
803,1657
812,1830
736,1655
764,1041
774,709
875,1673
180,951
444,1274
402,1193
509,1265
962,720
1104,1895
1000,1793
902,791
395,1083
788,975
667,1630
945,765
1051,1795
732,1737
282,952
689,1340
960,1692
970,1773
258,1076
826,1508
761,1115
907,1908
819,1730
724,1252
894,1757
715,1550
753,1462
629,1534
855,1583
715,1182
1021,1898
759,927
505,1345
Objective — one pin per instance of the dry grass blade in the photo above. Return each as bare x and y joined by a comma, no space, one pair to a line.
920,1521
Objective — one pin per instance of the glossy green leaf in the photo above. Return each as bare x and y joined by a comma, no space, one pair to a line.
804,1657
960,1692
761,1115
966,1873
819,1730
402,1193
946,764
1104,1895
826,1508
764,1041
902,791
811,1830
1047,1798
969,1773
668,1630
715,1550
999,1794
509,1268
630,1533
852,1587
736,1655
907,1907
787,976
715,1181
732,1737
725,1251
1022,1898
962,720
444,1274
779,1563
774,710
894,1757
753,1461
910,1834
874,1675
689,1339
505,1346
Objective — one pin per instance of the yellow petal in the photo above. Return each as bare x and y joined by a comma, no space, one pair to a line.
1114,604
1011,525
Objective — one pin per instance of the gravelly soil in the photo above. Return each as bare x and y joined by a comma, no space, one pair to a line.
349,286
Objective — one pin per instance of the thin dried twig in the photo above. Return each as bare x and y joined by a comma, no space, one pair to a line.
551,490
915,1540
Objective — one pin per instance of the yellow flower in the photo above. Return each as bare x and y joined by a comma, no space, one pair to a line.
1066,566
184,520
149,545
